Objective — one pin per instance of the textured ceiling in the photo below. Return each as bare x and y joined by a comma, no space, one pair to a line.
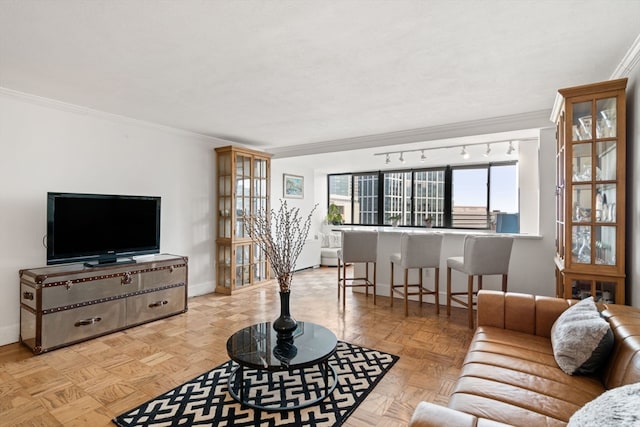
285,73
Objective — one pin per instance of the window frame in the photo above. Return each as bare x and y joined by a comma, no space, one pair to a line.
448,193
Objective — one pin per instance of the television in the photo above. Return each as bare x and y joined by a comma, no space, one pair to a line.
101,228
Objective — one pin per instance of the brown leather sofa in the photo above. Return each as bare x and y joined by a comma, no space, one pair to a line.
510,376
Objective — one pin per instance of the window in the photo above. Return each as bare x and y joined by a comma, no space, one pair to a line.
397,197
469,202
340,194
452,197
504,188
365,199
428,197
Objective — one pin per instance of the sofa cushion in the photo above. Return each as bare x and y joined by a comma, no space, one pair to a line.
335,240
332,239
581,339
616,407
324,240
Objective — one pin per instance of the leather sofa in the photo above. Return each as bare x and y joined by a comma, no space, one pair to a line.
509,375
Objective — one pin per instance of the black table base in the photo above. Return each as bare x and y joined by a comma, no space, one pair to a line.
243,394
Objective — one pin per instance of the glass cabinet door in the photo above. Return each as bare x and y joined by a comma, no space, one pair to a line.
593,182
224,195
242,192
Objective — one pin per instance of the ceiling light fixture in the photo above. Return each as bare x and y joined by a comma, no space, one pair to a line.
422,157
486,153
401,158
510,149
388,160
464,153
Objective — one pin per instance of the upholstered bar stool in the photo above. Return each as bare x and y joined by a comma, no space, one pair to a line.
357,246
483,256
417,251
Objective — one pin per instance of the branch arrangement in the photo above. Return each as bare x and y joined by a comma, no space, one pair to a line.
280,235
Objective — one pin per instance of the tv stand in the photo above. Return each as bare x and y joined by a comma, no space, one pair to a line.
67,303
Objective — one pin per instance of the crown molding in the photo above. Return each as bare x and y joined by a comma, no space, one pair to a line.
557,106
624,68
629,61
530,120
80,110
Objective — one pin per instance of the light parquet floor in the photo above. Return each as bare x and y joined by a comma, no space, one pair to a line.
87,384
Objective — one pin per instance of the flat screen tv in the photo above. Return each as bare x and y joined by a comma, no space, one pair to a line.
101,228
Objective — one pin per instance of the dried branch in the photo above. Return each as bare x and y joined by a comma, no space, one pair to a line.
281,236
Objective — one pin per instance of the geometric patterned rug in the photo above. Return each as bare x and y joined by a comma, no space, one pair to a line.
205,400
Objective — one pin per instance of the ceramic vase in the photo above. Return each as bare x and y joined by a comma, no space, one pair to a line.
285,325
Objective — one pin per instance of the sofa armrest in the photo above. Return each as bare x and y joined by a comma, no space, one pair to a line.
519,312
429,415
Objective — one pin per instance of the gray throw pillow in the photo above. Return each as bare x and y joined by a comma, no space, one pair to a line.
617,407
581,339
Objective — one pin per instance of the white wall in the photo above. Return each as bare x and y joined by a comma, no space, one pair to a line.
311,197
633,197
48,146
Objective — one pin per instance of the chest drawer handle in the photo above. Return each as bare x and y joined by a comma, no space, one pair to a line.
158,304
126,279
27,295
68,284
89,321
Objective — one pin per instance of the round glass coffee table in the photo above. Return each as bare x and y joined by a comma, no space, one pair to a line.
281,376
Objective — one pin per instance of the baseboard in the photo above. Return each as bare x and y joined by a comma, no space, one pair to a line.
10,334
201,289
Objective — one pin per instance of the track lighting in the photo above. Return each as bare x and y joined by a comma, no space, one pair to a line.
510,149
463,152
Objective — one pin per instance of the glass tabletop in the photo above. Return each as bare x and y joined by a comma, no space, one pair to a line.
257,347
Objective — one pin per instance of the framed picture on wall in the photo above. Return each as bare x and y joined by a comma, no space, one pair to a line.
292,186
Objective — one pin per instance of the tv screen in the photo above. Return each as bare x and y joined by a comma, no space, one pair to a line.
100,228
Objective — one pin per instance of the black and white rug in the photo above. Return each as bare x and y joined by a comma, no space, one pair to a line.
205,400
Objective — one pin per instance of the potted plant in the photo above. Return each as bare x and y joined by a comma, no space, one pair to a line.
281,236
428,221
395,219
334,216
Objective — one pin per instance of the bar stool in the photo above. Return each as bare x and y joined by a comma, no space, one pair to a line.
357,246
483,256
417,251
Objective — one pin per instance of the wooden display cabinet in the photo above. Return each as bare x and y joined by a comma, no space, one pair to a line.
590,191
243,177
